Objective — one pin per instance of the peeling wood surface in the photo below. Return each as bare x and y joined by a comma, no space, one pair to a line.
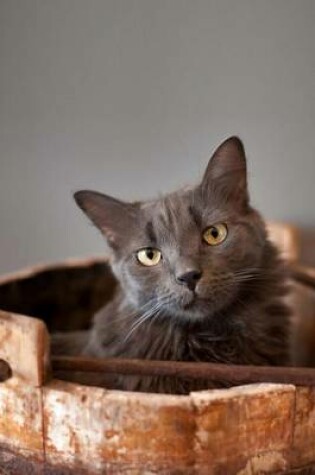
21,418
63,428
235,426
303,447
24,345
124,428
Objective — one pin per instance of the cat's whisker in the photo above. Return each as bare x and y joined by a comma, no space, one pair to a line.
148,314
251,270
146,307
140,322
142,314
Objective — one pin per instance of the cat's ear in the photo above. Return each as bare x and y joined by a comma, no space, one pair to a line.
226,171
112,217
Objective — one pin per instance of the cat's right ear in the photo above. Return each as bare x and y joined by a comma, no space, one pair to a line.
114,218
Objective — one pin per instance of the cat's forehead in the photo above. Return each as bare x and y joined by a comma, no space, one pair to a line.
166,218
165,207
183,208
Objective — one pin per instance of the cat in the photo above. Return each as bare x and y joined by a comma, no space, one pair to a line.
198,279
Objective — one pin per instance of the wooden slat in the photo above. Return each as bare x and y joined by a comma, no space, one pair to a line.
234,374
304,275
117,432
21,420
24,346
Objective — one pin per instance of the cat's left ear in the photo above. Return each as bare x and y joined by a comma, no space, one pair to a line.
227,172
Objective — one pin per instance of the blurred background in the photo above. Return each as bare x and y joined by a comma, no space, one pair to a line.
130,97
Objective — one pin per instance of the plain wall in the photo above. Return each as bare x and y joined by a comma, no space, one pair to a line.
130,97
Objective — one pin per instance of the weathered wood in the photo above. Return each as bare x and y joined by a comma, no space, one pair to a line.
118,432
21,419
245,430
234,374
63,428
24,346
303,449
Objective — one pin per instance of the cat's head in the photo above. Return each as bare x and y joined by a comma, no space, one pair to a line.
188,253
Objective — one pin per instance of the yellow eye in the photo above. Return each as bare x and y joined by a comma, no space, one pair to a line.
149,256
215,234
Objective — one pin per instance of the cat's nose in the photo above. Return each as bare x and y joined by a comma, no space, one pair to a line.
189,278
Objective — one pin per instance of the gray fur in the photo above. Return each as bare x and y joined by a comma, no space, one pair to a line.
236,314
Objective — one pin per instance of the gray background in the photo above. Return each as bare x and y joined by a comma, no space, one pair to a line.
131,96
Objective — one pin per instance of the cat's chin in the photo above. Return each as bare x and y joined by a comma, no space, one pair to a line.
195,308
189,315
189,310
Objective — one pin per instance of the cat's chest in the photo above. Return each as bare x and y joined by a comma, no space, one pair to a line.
176,346
166,342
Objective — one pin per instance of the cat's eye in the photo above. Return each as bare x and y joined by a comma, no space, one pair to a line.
215,234
149,256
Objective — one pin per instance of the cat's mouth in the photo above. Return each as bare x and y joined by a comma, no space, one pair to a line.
187,301
191,304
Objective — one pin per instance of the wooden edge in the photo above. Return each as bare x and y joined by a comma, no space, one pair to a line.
287,239
304,275
249,430
44,267
200,433
24,345
307,270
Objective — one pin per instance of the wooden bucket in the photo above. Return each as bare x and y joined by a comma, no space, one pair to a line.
48,426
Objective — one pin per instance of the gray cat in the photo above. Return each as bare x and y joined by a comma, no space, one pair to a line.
198,279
